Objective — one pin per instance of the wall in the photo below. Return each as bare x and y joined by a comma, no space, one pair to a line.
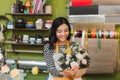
59,9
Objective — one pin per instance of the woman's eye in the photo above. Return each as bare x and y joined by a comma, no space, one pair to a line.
66,30
59,31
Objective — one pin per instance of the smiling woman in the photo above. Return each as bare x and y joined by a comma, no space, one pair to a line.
63,57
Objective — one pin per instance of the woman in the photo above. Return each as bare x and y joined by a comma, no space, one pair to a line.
57,51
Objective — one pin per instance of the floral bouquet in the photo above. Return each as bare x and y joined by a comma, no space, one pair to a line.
13,74
17,74
10,73
75,56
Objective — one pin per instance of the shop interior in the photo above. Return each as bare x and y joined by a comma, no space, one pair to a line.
25,24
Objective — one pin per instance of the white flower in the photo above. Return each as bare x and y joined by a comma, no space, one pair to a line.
84,61
14,73
67,62
1,56
85,54
5,69
74,48
60,63
73,64
79,56
17,74
80,48
68,56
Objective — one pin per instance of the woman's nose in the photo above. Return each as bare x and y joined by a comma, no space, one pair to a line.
63,33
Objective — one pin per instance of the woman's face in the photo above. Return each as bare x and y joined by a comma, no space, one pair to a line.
62,32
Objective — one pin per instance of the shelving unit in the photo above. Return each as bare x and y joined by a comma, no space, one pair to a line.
23,47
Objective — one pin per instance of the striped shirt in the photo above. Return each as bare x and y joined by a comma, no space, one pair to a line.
48,54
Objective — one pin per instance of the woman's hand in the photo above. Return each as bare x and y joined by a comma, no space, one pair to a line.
68,72
74,66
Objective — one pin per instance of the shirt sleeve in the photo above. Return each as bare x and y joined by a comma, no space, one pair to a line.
48,54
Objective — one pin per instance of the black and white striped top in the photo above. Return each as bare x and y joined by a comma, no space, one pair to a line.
48,54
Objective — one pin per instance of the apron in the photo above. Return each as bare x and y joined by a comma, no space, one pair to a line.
56,56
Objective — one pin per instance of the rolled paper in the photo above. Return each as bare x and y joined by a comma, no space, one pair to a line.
83,10
115,34
109,9
80,33
75,33
114,18
89,34
105,2
83,39
111,34
104,34
93,34
81,2
75,17
100,34
108,34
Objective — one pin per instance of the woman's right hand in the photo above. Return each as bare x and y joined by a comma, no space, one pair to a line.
69,72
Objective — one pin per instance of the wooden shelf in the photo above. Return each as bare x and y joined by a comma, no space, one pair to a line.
22,14
29,29
13,42
25,51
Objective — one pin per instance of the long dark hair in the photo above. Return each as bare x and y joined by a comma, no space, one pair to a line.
56,23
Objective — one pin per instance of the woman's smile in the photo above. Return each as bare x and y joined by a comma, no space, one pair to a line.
62,32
